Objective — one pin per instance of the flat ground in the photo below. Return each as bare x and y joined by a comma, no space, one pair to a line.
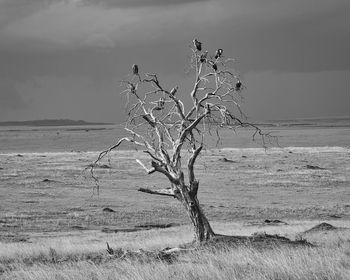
52,218
51,192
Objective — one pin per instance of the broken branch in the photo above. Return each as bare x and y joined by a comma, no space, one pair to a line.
164,192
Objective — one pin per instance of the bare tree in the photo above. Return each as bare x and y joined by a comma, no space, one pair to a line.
159,122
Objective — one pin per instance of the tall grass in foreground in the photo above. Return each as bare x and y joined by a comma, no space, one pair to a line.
240,263
83,256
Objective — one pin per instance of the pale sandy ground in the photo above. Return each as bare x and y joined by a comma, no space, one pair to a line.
48,205
51,192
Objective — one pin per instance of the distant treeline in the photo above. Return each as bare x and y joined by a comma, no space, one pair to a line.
60,122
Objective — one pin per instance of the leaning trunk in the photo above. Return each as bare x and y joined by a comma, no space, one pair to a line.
202,228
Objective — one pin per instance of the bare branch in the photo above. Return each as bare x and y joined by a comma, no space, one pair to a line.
153,156
164,192
162,170
150,122
105,152
149,171
191,162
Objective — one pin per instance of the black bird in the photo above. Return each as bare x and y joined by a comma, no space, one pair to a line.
203,57
197,44
238,85
218,53
215,67
135,69
208,108
160,104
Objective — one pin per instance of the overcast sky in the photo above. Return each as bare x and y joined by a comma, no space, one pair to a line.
64,58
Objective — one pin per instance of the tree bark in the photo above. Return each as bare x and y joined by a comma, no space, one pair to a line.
202,229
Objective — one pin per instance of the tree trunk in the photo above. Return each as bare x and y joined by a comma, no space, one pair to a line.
202,228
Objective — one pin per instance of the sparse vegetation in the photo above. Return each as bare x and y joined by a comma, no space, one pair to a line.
55,260
80,253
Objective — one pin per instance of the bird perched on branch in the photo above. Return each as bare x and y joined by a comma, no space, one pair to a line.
218,53
197,44
207,107
159,104
215,67
203,57
135,69
238,85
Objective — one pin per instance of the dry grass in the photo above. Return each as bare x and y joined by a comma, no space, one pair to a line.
84,257
243,263
256,185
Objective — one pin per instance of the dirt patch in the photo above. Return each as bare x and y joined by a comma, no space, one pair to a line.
274,222
48,181
334,216
320,228
227,160
79,228
314,167
102,166
150,226
139,228
266,222
256,241
116,230
108,210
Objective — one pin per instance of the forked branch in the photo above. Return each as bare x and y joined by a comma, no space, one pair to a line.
191,162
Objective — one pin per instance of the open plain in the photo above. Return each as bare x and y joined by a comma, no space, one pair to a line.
55,222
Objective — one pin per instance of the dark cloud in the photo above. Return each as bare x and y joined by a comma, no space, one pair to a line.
304,42
139,3
272,95
10,97
11,10
278,37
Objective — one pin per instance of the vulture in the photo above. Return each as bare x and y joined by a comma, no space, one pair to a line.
238,85
218,53
135,69
208,108
160,104
197,44
203,57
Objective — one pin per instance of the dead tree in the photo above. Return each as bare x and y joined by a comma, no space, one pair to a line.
159,122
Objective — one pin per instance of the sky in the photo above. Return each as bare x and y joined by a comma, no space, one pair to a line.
65,58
